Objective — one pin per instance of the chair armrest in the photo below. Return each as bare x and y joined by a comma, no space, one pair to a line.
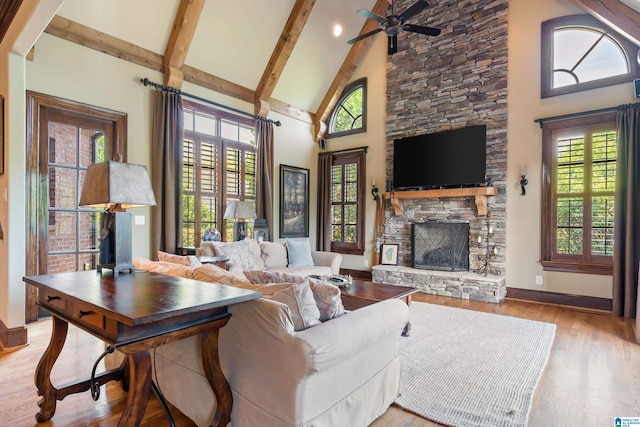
329,259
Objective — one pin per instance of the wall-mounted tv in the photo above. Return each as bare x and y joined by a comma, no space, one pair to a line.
447,159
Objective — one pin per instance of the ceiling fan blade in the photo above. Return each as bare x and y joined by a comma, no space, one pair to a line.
414,9
364,36
368,14
430,31
392,44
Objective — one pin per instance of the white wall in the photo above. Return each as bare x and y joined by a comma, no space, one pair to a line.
525,148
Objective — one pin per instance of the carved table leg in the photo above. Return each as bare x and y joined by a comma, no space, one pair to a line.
42,377
139,387
217,380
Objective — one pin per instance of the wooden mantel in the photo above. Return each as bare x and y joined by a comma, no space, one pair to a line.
480,194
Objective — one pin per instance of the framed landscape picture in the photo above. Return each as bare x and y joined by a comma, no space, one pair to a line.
294,201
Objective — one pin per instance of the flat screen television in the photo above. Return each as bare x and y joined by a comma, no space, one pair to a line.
447,159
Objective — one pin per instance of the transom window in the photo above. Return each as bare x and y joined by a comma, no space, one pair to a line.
580,53
347,202
579,159
218,167
349,116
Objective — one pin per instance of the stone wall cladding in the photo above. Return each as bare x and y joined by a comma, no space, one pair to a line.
456,79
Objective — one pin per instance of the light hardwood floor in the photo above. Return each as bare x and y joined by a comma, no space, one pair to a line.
592,376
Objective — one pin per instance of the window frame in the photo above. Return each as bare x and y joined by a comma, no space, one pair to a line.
546,82
347,91
550,260
358,157
221,147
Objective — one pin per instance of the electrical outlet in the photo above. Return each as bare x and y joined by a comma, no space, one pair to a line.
139,219
366,263
539,280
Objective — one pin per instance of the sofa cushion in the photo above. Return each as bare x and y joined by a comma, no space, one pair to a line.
327,296
258,262
298,297
214,274
164,267
274,255
299,252
239,253
179,259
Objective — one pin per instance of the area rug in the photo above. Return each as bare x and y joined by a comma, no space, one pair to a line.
467,368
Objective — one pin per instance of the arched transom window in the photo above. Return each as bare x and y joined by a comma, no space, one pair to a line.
581,53
349,116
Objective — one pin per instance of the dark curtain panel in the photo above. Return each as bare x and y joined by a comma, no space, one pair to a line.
324,201
166,160
264,172
627,214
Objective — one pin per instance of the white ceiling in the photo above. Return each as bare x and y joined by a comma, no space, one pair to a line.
235,39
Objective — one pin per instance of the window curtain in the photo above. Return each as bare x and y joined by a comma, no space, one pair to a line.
627,216
324,201
166,159
264,172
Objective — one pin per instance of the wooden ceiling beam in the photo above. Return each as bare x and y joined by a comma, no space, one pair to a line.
96,40
280,55
184,26
353,60
615,14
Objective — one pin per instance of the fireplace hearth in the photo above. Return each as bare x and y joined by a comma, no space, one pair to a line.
440,246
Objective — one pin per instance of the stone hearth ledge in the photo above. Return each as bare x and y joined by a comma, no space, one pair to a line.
455,284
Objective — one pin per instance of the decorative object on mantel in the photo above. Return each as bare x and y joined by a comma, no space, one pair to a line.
490,252
523,179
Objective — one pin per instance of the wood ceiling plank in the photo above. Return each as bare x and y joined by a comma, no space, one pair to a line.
184,26
88,37
353,60
8,10
287,41
615,14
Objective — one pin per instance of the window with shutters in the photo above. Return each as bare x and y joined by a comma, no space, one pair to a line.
579,163
347,202
218,166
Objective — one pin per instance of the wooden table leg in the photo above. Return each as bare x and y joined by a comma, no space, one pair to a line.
139,388
217,380
42,377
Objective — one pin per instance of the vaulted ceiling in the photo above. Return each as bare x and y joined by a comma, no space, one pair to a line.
278,55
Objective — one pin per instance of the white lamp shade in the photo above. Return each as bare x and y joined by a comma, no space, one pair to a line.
240,210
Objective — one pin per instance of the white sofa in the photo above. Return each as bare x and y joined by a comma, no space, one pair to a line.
342,372
248,254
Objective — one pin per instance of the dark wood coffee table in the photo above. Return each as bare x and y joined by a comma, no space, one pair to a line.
134,313
361,293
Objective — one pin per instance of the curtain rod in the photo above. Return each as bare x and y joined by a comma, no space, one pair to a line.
365,148
601,110
148,82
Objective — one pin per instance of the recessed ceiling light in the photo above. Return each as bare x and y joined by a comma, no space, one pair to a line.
337,30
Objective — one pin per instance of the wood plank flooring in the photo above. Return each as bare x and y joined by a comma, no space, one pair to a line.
592,376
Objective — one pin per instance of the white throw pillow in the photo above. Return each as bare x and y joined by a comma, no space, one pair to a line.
299,298
239,253
299,252
273,254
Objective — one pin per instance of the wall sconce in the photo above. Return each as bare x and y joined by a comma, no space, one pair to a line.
523,179
374,189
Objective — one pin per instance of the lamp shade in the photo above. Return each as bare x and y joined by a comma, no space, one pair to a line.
240,210
117,183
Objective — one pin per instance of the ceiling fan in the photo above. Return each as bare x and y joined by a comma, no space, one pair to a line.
393,24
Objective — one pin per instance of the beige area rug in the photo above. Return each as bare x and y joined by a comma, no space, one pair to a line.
467,368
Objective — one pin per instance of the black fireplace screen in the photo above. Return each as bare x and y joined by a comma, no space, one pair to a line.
440,246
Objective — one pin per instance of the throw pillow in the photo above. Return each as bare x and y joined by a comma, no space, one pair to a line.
164,267
239,253
274,254
299,252
299,298
213,274
258,262
327,296
190,261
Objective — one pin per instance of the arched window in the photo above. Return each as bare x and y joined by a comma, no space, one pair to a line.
580,53
349,116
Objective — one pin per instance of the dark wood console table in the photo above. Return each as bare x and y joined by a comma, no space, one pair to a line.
134,313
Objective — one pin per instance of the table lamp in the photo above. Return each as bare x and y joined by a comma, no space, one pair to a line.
241,212
116,186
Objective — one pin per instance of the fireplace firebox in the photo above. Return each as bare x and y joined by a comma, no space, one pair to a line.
440,246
